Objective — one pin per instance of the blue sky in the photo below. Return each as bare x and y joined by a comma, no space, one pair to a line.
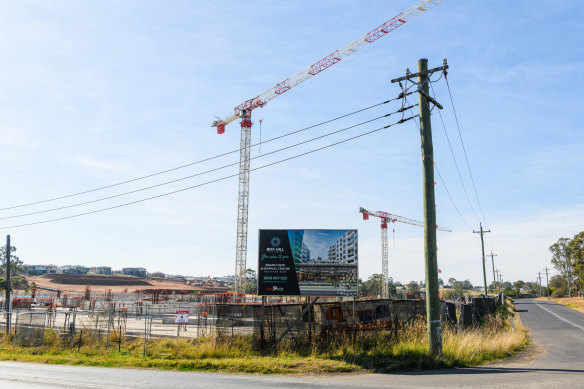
93,93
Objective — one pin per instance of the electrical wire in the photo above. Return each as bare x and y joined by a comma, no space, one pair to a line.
464,149
454,158
405,102
451,199
211,181
202,173
201,160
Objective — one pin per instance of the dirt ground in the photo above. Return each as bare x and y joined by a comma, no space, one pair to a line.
129,285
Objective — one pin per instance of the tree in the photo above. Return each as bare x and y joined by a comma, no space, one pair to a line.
251,282
518,285
441,282
467,285
576,250
372,287
17,279
558,287
561,259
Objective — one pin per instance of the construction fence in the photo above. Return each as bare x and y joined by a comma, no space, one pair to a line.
264,323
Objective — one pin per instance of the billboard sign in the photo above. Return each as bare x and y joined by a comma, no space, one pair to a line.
308,263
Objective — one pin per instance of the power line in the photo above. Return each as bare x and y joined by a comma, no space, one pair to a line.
204,172
454,158
451,199
211,181
464,149
205,159
405,102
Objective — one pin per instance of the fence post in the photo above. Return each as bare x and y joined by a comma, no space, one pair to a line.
145,330
262,322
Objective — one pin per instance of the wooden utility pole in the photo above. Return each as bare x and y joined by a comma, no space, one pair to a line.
493,263
539,280
430,248
482,232
8,304
547,282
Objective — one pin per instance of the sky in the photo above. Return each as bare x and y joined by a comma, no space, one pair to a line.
97,93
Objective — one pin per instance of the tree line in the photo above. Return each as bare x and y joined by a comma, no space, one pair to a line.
568,260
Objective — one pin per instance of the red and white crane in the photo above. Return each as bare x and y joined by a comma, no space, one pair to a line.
243,112
387,218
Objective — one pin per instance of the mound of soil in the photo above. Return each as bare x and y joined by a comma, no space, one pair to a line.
84,279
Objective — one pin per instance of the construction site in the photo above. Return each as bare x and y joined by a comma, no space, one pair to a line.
305,288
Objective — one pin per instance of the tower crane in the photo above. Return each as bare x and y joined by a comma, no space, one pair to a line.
243,112
387,218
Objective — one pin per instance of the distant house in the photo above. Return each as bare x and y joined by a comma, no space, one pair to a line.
134,271
157,274
100,270
72,269
35,270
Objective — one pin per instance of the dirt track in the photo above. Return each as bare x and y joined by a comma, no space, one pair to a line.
99,283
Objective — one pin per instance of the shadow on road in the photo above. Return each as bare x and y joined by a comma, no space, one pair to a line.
489,370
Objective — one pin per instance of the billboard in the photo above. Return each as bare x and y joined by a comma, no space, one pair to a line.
308,263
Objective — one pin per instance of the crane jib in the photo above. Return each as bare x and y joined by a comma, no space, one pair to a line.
328,61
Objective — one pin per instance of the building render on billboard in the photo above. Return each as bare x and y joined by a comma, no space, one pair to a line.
344,250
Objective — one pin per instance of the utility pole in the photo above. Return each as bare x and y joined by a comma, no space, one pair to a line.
430,248
547,281
539,283
493,262
568,276
8,304
482,232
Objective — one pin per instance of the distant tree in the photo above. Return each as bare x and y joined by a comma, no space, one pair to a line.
576,249
458,288
467,285
441,282
451,281
251,282
373,286
561,259
18,281
518,285
558,287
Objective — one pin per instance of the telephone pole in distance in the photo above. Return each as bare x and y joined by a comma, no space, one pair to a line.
482,232
547,281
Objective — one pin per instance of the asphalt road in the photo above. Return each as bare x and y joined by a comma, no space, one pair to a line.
558,329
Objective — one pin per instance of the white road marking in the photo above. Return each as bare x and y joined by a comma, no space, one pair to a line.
59,383
561,318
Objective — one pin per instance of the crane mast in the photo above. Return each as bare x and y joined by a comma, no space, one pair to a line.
243,112
387,218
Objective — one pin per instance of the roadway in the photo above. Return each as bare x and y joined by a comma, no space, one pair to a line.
558,329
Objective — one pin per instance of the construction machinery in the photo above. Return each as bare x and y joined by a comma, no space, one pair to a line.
387,218
243,112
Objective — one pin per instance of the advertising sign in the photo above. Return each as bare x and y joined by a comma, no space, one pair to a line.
308,263
181,317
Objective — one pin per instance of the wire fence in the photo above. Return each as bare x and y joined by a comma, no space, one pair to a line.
265,323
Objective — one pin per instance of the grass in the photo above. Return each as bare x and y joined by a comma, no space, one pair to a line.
371,352
576,303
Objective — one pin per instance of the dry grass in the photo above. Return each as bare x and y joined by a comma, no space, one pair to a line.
576,303
382,351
